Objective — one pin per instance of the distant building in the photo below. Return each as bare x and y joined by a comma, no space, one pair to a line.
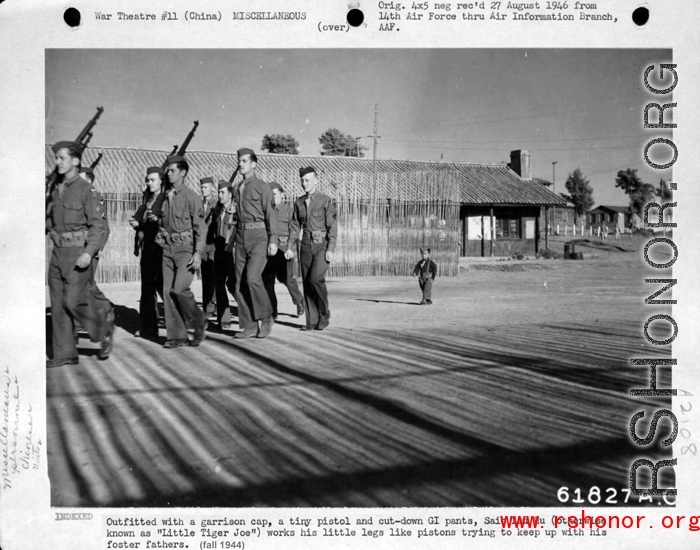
609,216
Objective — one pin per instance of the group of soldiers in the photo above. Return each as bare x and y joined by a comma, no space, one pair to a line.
242,237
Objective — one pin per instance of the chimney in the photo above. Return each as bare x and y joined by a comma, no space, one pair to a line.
520,163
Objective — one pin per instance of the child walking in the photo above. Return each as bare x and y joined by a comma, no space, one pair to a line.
426,270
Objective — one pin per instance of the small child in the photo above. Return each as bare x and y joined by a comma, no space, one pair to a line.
426,270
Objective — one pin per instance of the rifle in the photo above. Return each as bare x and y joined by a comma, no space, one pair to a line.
235,173
183,148
96,162
82,141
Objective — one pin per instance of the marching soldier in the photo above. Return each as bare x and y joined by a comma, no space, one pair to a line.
88,175
278,267
76,224
314,213
181,235
209,202
255,239
145,222
224,224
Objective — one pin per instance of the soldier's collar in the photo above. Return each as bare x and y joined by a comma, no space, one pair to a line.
72,180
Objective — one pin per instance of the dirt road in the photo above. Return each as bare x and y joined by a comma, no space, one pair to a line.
512,385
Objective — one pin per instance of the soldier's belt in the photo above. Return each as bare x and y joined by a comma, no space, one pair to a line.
251,225
283,240
165,238
70,239
316,236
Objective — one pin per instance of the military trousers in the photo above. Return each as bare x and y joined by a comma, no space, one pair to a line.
97,294
181,309
280,269
224,279
151,287
250,258
208,285
313,264
98,297
72,300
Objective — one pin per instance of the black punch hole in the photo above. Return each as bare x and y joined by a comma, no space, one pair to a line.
72,17
640,16
355,17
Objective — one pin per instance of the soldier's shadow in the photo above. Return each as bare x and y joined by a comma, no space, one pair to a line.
388,302
126,318
214,326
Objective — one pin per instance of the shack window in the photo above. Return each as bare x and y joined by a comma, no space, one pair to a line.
508,228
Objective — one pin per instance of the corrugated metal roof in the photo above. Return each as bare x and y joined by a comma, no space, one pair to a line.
122,170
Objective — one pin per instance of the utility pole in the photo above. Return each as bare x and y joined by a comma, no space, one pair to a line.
374,153
554,190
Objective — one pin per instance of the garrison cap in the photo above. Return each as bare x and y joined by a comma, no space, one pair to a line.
72,146
207,179
173,159
276,185
87,170
245,151
225,184
155,170
307,170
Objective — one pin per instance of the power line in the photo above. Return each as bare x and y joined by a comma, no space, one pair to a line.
495,149
519,140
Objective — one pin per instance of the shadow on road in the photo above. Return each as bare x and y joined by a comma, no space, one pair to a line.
387,302
470,418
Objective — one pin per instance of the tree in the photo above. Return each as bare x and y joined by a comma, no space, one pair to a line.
336,143
279,144
638,191
580,193
664,191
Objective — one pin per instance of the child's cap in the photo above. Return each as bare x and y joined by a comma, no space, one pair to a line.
425,250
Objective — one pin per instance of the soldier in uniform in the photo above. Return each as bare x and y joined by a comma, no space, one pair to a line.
209,202
88,175
314,214
255,238
76,225
181,235
145,222
224,224
278,267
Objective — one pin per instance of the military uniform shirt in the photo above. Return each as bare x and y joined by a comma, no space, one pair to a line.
182,211
314,213
256,204
284,218
225,224
104,215
78,209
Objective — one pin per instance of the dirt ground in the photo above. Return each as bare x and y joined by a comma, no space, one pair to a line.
514,383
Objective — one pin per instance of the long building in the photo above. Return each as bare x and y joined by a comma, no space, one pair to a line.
386,210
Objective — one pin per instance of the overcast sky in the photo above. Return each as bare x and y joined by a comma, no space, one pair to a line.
580,108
